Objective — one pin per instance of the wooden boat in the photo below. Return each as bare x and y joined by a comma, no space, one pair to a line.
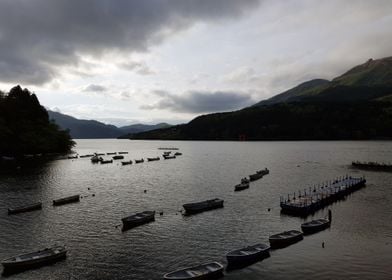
247,255
96,159
122,153
138,219
27,208
106,161
86,156
72,157
66,200
114,153
197,207
245,180
178,154
166,153
169,157
118,157
126,162
315,226
265,171
241,187
100,154
285,238
168,148
153,159
211,270
139,160
38,258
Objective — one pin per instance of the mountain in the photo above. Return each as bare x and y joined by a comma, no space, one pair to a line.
91,129
355,105
367,81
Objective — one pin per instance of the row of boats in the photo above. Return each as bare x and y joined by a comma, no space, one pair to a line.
99,159
372,165
38,205
235,259
253,177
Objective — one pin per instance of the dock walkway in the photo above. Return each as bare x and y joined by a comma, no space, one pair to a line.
314,198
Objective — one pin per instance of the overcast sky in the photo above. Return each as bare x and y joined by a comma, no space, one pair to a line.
149,61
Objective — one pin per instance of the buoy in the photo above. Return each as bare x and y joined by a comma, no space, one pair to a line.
88,188
145,191
93,194
161,213
322,244
269,209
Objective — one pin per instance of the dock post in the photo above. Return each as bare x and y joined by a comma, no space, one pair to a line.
329,215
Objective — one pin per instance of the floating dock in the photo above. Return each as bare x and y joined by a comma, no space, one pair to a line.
315,198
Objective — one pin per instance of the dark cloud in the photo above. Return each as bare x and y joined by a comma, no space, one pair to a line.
95,88
140,68
200,102
39,36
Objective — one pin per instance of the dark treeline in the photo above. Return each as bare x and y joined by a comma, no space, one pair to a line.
25,127
288,121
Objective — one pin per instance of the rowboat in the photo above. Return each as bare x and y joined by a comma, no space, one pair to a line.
197,207
315,226
126,162
153,159
27,208
138,219
211,270
247,255
118,157
285,238
139,160
33,259
122,153
106,161
241,187
66,200
169,157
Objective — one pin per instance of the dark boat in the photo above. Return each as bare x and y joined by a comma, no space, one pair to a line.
153,159
315,226
169,157
118,157
122,153
114,153
27,208
377,166
100,154
34,259
166,153
106,161
86,156
138,219
126,162
178,154
241,187
72,157
139,160
66,200
211,270
285,238
168,148
258,175
247,255
197,207
96,159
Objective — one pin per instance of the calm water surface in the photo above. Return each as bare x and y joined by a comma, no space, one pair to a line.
357,246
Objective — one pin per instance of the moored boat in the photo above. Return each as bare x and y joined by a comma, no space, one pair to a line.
197,207
96,159
315,226
112,153
27,208
212,270
247,255
106,161
138,219
139,160
33,259
126,162
122,153
169,157
66,200
118,157
153,159
178,154
241,187
285,238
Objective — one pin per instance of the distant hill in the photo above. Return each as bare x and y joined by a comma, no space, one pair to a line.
91,129
367,81
355,105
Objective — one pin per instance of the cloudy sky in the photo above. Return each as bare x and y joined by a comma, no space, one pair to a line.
149,61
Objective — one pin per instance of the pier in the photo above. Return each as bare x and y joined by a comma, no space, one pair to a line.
314,198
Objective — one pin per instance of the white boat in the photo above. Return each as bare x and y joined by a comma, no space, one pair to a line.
211,270
35,258
248,254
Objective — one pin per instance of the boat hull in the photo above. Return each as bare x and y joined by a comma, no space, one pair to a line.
28,208
284,242
239,261
180,275
128,224
316,228
194,208
66,200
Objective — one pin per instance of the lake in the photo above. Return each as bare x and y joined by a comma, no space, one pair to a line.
357,246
